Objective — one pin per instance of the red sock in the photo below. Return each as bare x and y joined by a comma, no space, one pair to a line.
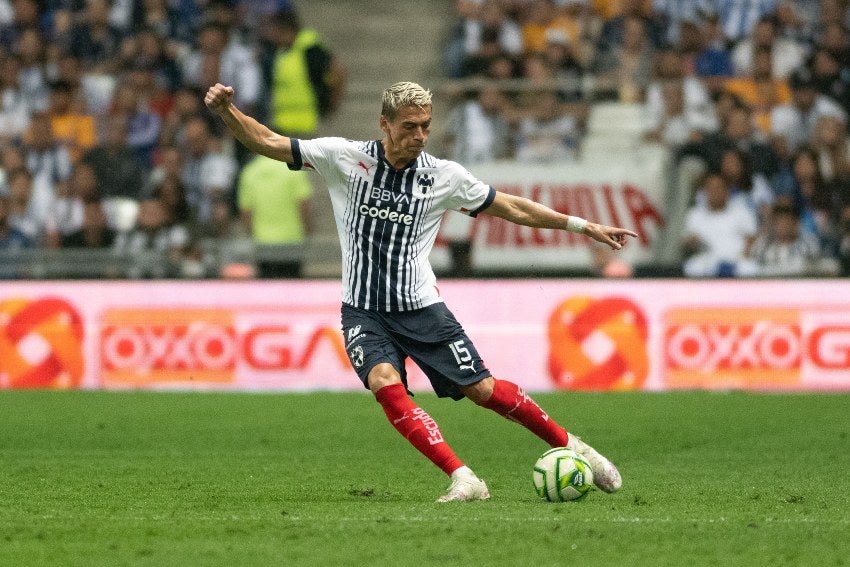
417,427
510,401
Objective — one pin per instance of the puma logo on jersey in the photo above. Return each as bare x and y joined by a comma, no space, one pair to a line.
365,167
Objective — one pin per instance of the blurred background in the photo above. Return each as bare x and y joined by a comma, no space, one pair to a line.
716,130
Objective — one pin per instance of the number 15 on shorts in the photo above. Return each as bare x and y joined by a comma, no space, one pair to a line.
462,355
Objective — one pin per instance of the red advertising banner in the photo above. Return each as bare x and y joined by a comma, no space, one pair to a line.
544,334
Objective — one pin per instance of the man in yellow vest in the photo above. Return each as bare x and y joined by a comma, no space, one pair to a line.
305,80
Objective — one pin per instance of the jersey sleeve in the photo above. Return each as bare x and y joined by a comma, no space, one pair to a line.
319,154
470,195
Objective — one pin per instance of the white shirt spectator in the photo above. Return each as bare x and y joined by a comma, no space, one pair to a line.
723,233
797,127
698,114
781,259
14,113
786,55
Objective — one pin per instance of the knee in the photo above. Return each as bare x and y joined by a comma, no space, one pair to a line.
481,391
381,375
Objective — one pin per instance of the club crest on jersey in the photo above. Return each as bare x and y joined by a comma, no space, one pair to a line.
425,182
356,356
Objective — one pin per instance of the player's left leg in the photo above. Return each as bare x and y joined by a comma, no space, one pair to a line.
510,401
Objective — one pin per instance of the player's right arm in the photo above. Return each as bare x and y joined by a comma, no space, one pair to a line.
255,136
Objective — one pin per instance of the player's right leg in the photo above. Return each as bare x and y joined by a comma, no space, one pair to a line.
510,401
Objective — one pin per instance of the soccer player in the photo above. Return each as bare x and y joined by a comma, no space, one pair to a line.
388,197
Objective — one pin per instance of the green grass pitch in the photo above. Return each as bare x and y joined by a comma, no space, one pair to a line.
107,478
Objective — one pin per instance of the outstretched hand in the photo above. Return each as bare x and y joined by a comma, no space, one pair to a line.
218,97
614,237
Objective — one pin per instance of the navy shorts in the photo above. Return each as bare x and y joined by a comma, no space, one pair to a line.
430,336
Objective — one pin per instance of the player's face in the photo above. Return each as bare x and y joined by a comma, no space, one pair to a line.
407,133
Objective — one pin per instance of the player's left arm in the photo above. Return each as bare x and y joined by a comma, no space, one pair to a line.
526,212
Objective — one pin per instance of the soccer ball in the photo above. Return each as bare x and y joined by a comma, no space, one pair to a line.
561,474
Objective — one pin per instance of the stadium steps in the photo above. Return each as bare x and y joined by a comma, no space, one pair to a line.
378,44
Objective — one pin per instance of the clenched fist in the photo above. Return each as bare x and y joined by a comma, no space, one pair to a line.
218,97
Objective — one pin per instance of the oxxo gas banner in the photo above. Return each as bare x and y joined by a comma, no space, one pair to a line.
543,334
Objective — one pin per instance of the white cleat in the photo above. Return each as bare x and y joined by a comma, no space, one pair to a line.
606,477
465,488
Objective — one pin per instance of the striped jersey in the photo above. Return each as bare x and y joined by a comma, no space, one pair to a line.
387,219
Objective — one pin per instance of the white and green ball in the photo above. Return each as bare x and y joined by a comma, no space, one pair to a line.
561,474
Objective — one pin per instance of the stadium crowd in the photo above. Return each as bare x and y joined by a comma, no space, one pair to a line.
105,142
750,96
104,139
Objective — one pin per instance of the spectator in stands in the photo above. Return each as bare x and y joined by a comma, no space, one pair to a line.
94,40
703,47
172,195
254,14
547,135
305,81
475,21
164,21
10,237
760,90
32,76
739,18
119,171
208,172
143,126
151,67
784,250
169,164
678,107
11,158
489,52
836,38
71,126
803,187
580,23
793,124
46,158
15,107
541,18
673,15
25,214
613,32
718,234
274,206
745,184
154,234
799,19
92,92
187,104
48,161
786,53
477,128
830,142
566,67
738,132
66,216
831,77
217,58
93,232
624,71
674,124
25,16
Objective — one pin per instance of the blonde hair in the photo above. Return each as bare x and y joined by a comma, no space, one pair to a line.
402,94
